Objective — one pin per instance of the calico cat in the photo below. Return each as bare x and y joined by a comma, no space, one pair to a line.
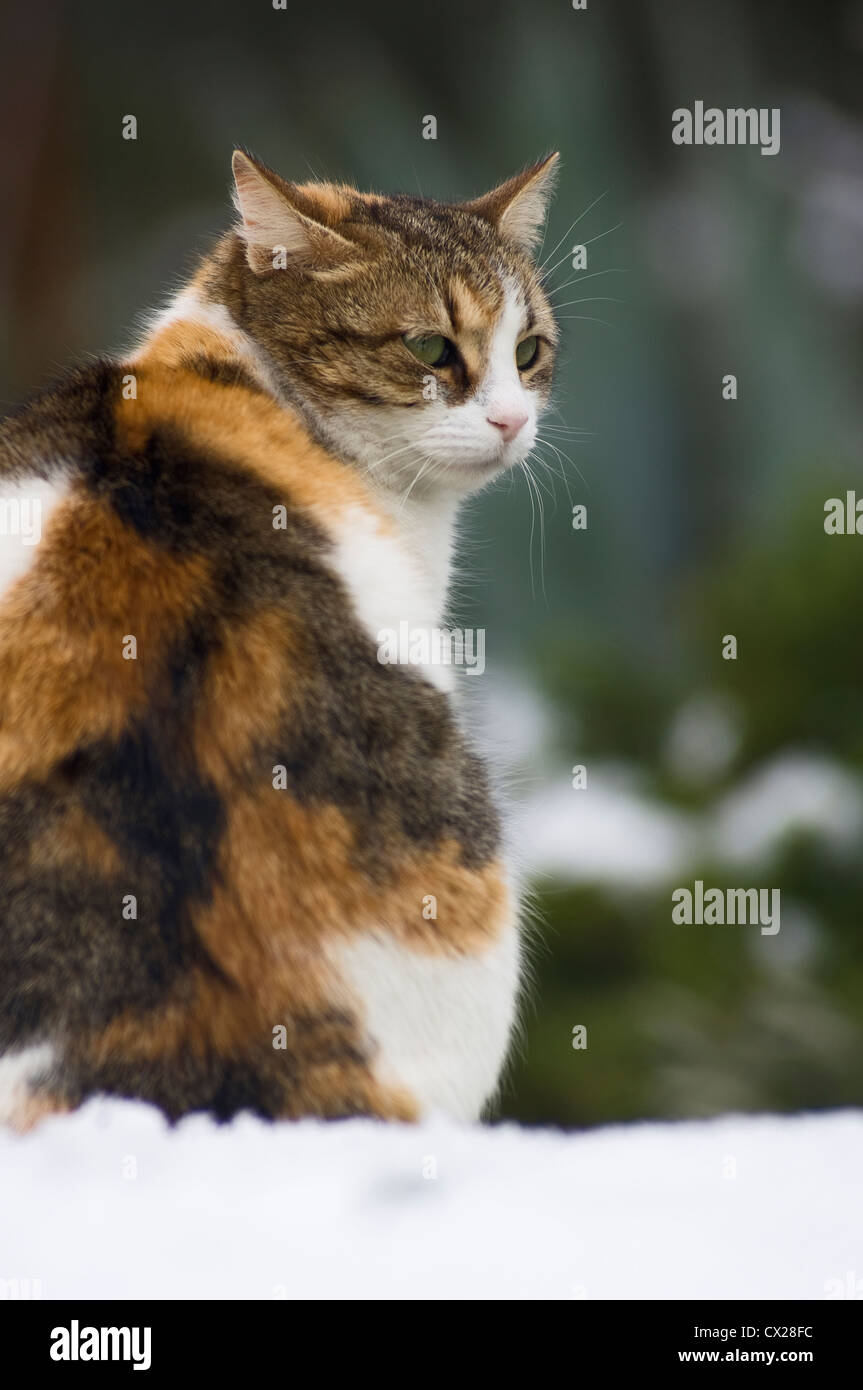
244,863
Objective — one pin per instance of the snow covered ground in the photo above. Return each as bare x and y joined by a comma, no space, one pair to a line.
111,1203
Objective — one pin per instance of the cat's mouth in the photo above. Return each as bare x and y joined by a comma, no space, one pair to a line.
485,463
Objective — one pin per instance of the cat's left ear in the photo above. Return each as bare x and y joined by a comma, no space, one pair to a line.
517,208
293,220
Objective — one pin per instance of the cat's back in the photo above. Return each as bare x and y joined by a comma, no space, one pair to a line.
220,813
145,514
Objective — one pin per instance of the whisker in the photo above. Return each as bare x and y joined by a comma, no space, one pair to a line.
600,235
561,455
576,279
585,318
423,466
568,230
552,268
557,411
532,526
554,473
534,490
592,299
378,463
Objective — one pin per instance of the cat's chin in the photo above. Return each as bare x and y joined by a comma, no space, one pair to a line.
467,475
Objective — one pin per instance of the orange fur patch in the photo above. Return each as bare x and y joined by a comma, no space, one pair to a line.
250,429
245,693
295,887
63,678
32,1109
181,340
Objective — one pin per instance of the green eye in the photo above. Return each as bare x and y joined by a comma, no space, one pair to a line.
433,349
525,353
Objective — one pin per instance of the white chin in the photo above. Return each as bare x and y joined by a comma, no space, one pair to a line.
480,467
466,474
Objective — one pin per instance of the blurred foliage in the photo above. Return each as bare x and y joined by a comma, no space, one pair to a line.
696,1020
790,598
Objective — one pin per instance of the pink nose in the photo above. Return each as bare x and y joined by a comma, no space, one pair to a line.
509,422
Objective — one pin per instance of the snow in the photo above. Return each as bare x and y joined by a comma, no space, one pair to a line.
613,832
793,792
608,832
110,1202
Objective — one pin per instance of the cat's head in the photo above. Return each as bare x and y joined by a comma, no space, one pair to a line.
415,335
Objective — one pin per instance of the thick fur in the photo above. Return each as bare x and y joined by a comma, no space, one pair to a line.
218,845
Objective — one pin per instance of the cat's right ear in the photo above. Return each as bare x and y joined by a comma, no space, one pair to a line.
517,208
279,224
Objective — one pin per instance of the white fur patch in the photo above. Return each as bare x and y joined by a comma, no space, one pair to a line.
386,583
502,385
442,1024
25,510
18,1071
189,307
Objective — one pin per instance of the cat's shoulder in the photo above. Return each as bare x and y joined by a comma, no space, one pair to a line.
44,444
60,423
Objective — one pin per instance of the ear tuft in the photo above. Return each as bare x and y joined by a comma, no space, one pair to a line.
278,222
518,207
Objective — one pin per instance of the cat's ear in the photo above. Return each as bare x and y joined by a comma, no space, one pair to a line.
517,208
287,220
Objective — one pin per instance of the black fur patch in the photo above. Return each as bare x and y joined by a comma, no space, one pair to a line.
69,959
268,1081
71,419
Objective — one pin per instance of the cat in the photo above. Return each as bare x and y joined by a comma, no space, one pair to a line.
245,865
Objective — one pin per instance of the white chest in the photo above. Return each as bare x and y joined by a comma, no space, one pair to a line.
441,1024
393,591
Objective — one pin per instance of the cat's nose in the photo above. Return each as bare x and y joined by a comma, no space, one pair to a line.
509,422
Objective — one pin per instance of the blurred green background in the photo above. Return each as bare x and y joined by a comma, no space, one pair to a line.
705,516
